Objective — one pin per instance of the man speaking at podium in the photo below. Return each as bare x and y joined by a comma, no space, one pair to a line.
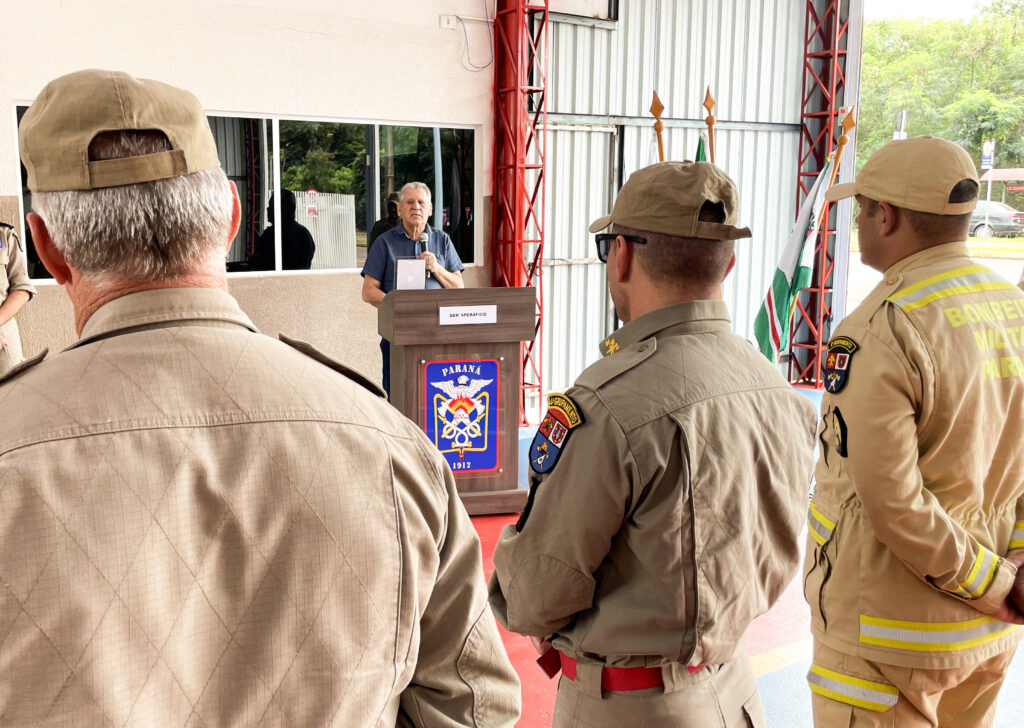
412,239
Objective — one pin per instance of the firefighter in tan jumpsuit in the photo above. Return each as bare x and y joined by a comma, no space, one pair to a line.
668,484
15,291
917,521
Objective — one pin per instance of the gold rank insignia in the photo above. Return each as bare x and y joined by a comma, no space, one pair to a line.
610,346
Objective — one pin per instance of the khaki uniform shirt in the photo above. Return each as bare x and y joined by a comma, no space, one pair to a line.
13,277
672,516
921,476
201,525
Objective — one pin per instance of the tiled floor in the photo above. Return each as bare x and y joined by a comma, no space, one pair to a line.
778,643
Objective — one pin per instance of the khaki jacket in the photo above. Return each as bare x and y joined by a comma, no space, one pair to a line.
921,476
13,277
201,525
672,516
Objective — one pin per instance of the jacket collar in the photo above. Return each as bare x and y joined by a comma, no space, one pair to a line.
162,306
928,256
681,318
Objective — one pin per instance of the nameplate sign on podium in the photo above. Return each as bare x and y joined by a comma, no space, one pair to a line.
455,372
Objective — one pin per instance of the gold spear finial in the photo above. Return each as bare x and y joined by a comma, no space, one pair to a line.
844,139
709,104
656,108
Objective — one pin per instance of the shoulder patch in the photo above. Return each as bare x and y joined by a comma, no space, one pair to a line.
337,366
26,364
604,370
837,363
562,417
839,428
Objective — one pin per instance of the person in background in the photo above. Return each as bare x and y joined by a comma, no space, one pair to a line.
387,222
15,291
414,238
297,246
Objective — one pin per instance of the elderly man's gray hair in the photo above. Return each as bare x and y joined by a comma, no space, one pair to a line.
414,186
149,231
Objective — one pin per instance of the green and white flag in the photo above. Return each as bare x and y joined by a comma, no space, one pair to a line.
701,155
771,327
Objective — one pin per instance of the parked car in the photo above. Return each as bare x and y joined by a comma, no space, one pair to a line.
1002,220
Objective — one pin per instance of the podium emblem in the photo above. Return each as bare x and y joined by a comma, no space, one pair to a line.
461,404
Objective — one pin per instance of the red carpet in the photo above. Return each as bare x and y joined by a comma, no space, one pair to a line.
538,690
775,640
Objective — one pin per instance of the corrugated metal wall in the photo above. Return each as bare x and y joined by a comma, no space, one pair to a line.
600,86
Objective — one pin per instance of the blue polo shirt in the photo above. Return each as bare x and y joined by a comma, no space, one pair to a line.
380,262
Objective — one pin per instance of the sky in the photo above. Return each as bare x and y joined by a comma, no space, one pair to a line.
948,9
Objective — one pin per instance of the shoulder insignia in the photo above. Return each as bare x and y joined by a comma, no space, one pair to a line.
562,417
334,364
837,363
22,366
609,346
604,370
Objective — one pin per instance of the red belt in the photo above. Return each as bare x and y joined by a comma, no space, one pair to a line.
623,678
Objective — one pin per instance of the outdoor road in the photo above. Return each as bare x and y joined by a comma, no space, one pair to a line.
862,279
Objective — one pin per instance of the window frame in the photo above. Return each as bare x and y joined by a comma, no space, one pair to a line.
275,174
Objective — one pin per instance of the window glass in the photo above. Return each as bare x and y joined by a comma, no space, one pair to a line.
325,171
244,147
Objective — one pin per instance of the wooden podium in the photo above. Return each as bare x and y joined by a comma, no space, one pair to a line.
455,373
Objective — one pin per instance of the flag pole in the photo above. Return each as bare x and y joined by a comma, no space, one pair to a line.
844,139
657,108
709,104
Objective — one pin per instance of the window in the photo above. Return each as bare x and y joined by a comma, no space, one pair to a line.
443,159
325,171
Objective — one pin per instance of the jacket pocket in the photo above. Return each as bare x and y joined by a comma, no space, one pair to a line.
818,562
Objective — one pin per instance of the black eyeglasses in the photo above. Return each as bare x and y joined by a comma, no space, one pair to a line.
604,240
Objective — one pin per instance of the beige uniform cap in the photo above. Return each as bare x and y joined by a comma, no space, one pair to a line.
666,198
915,174
70,111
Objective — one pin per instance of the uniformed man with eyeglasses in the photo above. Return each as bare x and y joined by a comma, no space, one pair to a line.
668,484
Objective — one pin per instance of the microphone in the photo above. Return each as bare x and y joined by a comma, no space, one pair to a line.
424,239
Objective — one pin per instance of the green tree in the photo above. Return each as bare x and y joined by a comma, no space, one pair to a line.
963,80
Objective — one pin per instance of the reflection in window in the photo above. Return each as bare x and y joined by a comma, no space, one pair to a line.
326,169
243,146
423,154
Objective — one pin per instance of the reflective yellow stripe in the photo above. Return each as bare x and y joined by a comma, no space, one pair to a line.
931,636
956,291
818,526
1017,539
971,279
955,273
982,572
867,694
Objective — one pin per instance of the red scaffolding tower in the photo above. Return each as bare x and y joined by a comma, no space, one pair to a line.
824,81
520,75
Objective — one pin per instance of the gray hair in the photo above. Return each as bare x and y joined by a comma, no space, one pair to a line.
413,186
149,231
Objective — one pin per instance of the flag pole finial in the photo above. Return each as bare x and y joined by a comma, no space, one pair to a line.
844,139
656,109
709,104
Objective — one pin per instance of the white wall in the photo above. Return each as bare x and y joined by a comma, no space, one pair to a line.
349,60
345,59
